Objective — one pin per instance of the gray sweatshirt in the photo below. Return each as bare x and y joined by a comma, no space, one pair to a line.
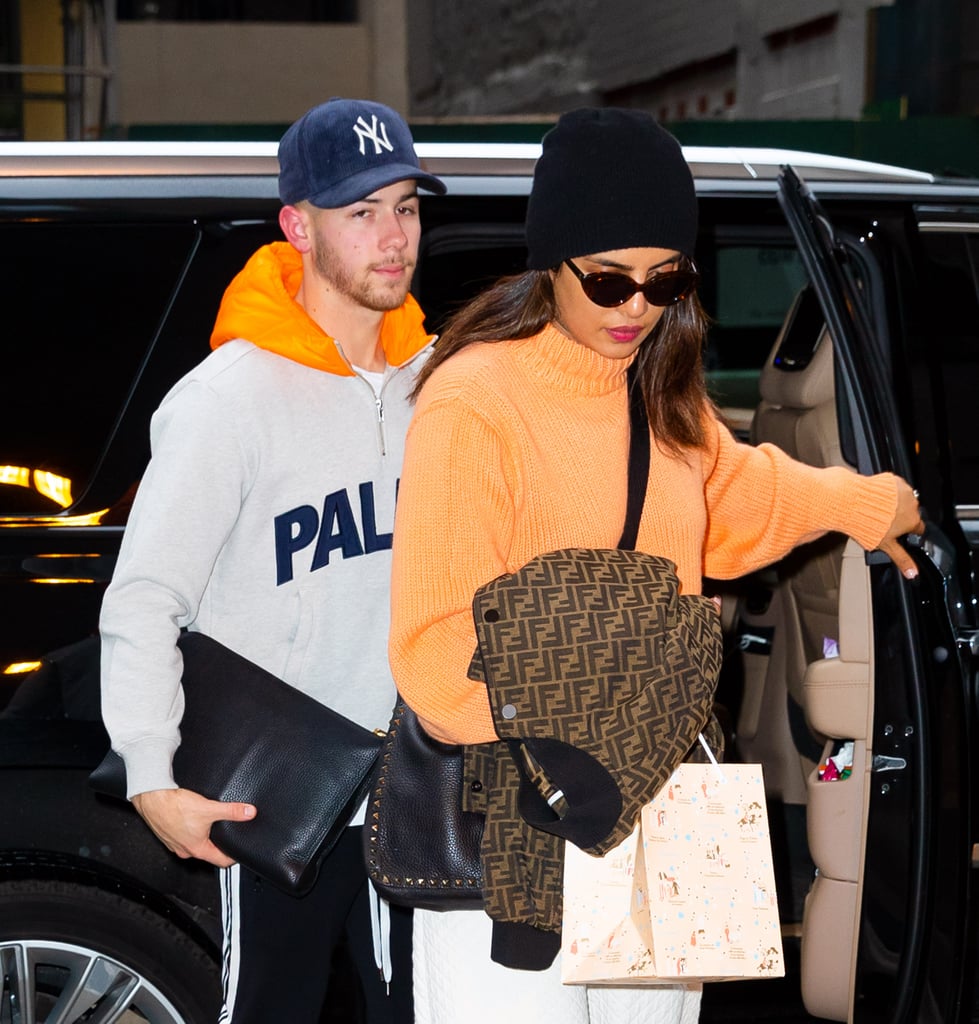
265,520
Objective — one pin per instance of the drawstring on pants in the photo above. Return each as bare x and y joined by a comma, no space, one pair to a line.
381,934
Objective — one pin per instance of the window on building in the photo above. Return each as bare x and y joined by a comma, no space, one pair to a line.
797,35
702,89
237,10
11,111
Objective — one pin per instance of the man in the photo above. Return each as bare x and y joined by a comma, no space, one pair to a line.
264,520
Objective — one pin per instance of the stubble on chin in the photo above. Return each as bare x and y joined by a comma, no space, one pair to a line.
368,292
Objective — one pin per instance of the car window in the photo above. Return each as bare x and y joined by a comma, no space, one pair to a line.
946,328
747,289
81,303
747,292
458,261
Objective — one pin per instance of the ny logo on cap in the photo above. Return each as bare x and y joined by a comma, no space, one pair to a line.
376,131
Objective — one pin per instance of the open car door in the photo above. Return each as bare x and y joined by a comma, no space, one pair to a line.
889,923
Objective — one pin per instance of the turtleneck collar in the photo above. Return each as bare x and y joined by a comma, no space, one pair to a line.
563,362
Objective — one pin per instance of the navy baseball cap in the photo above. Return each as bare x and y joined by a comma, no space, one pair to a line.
343,150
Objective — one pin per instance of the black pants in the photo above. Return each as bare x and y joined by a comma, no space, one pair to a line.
278,948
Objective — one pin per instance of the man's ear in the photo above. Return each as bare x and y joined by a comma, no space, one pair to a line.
297,226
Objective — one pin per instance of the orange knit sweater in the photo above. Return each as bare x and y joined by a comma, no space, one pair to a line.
521,447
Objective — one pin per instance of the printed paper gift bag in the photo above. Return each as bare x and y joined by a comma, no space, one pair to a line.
689,896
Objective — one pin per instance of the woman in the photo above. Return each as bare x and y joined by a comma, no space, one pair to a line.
519,446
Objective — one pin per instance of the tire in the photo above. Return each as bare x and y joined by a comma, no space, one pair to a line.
70,948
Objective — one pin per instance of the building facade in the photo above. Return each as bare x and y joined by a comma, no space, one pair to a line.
88,69
85,69
732,59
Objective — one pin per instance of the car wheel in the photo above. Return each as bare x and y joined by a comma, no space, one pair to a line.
74,953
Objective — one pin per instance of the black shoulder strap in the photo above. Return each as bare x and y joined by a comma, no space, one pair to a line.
638,459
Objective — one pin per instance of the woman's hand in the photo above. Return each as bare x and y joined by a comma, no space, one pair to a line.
907,520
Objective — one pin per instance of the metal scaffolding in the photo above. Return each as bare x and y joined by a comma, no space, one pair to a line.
88,95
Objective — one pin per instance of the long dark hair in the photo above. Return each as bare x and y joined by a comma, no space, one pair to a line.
670,361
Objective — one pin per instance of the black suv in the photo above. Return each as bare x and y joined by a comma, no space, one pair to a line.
845,328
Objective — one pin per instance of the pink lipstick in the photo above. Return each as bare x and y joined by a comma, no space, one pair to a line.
624,334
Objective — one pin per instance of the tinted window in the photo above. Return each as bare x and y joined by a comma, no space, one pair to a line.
82,303
748,291
459,261
947,331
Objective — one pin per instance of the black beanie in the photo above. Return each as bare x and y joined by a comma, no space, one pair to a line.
609,178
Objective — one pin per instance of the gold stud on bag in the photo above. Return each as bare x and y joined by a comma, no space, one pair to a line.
422,846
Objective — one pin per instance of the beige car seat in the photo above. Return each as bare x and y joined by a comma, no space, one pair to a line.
813,686
797,413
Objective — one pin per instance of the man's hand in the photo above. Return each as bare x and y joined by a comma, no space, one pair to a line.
182,819
906,520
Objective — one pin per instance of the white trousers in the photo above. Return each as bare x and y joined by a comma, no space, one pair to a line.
455,980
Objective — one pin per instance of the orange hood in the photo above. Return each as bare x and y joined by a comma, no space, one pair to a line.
260,306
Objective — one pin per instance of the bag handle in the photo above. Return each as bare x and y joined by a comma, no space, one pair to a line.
710,756
638,459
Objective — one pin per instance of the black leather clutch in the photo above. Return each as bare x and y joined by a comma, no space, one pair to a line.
248,736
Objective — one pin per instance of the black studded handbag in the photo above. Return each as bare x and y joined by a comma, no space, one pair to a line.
422,846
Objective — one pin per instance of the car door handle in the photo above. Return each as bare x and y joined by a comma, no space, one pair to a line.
968,640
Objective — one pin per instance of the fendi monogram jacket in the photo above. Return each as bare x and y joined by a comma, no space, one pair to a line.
600,676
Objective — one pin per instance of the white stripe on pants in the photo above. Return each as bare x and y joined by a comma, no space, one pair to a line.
230,881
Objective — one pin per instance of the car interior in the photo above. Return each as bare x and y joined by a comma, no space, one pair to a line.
802,631
805,629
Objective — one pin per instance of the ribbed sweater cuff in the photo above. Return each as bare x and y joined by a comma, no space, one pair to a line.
868,507
149,765
523,947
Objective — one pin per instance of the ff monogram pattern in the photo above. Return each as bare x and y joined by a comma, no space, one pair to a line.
597,650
